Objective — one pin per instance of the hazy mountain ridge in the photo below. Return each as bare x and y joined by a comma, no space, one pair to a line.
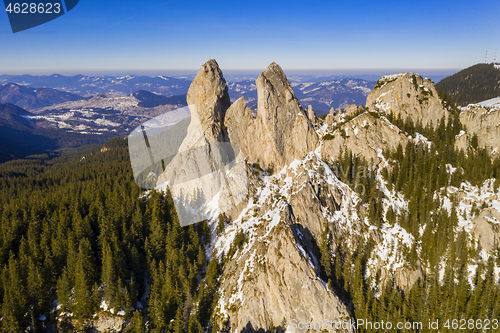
150,100
93,85
31,98
323,94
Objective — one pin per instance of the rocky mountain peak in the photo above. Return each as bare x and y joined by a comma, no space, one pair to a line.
274,92
407,95
198,172
281,132
208,101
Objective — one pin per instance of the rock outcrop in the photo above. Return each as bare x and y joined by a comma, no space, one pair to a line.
366,135
487,229
311,115
274,278
208,101
409,96
485,123
281,132
329,119
334,117
200,170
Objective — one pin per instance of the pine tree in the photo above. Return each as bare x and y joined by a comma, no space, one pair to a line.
14,302
108,276
137,323
324,249
64,292
35,291
194,325
84,280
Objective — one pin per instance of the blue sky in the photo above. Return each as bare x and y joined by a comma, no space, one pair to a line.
132,36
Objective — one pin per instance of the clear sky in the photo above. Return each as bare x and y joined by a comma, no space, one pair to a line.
123,35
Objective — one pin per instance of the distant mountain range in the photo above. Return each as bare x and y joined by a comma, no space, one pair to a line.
114,105
471,85
93,85
323,93
322,96
150,100
74,123
31,99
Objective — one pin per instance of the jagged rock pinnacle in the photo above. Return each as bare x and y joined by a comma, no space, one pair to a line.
208,101
281,132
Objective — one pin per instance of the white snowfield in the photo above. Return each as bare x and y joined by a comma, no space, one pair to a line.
492,103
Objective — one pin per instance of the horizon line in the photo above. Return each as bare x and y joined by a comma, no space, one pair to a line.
329,71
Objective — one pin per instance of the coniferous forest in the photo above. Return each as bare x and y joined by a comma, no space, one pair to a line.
418,172
77,237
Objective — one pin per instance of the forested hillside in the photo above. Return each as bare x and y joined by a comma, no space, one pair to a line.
471,85
447,290
78,239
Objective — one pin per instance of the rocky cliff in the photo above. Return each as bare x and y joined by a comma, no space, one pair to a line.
407,95
281,132
483,122
274,277
366,135
200,170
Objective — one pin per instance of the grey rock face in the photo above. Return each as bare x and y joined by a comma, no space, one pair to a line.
365,136
201,168
409,96
281,132
484,122
487,228
274,279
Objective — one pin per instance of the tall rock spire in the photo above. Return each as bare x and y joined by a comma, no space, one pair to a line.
199,171
281,132
208,102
